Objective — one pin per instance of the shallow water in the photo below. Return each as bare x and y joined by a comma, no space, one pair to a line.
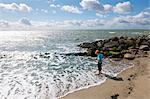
32,65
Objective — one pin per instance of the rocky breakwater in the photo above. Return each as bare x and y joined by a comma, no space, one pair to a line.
119,47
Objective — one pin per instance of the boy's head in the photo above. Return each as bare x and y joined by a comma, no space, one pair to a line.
97,52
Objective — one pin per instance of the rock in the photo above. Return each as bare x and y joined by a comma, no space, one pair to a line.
111,44
100,44
129,43
121,47
114,39
144,47
76,54
144,43
115,96
87,45
91,52
129,56
121,41
115,54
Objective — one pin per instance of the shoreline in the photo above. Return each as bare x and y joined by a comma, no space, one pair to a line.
94,85
127,89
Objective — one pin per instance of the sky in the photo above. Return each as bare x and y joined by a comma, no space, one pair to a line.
74,14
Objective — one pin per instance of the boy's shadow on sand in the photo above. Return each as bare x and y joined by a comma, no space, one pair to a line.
113,78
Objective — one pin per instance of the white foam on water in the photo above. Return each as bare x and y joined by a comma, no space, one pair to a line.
112,32
34,75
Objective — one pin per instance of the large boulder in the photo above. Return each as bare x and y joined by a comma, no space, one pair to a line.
121,41
87,45
111,44
129,56
144,47
114,39
100,43
144,42
76,54
130,42
91,52
115,54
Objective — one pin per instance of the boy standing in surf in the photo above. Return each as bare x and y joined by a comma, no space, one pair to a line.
100,58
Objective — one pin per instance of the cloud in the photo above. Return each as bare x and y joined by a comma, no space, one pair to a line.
43,10
108,8
100,15
4,23
54,5
141,20
92,5
70,9
25,21
95,5
123,8
16,7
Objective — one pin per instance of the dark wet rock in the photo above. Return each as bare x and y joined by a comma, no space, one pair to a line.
129,92
115,96
144,43
114,39
3,56
100,43
129,79
91,52
119,46
46,56
88,45
47,53
35,57
129,43
130,88
76,54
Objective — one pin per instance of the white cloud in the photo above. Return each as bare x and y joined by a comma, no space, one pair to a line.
123,8
16,7
141,20
100,15
43,10
70,9
108,8
54,5
4,23
25,21
92,5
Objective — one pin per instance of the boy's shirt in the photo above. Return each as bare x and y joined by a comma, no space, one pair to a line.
100,57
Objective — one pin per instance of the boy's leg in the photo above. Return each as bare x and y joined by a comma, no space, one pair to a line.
99,67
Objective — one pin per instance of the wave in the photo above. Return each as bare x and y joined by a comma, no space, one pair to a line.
35,75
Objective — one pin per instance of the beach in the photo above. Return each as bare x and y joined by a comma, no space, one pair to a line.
135,84
46,68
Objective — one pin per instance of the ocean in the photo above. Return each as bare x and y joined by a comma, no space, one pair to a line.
33,64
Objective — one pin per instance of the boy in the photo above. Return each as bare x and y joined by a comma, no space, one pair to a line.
100,58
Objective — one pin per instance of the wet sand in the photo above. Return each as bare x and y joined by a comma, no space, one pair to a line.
134,84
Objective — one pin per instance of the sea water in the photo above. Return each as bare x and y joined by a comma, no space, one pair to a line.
33,64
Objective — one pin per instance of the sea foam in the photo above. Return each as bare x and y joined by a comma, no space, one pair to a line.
34,75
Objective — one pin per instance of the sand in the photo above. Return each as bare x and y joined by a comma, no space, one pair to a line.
135,84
